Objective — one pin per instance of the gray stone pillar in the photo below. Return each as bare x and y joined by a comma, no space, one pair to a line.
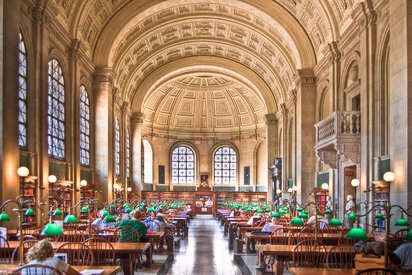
136,147
104,132
305,133
271,149
400,96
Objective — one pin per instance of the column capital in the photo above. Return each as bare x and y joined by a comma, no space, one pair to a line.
334,52
270,119
305,77
75,48
103,74
137,118
364,14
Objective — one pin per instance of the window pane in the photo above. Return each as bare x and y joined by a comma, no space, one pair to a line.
22,94
55,111
117,147
84,127
183,165
225,166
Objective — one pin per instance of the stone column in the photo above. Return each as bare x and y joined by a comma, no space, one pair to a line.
335,72
136,149
271,150
400,97
9,152
305,133
103,85
285,133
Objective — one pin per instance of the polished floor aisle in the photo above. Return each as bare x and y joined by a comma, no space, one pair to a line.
205,252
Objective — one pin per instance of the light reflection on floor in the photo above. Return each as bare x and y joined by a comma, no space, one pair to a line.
205,252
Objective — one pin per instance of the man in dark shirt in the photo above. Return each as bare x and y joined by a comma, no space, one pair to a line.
127,236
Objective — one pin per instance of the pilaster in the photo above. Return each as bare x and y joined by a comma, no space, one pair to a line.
136,128
271,151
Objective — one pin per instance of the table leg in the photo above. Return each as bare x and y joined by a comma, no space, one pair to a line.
149,253
279,267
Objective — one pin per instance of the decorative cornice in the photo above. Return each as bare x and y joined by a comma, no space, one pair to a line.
103,75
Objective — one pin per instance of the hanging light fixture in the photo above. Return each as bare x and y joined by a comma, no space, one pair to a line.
355,182
356,234
389,176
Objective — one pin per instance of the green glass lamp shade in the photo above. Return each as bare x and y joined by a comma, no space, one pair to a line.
105,213
402,222
112,206
409,235
141,208
150,210
109,218
335,222
4,217
259,211
300,209
267,210
131,213
357,234
51,229
306,212
70,219
379,216
57,212
281,211
352,216
128,210
285,208
249,209
244,208
278,207
276,215
125,205
326,212
254,204
29,212
84,209
297,222
303,216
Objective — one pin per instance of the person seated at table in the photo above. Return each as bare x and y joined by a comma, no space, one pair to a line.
271,226
404,253
159,224
256,217
312,220
140,227
149,219
42,253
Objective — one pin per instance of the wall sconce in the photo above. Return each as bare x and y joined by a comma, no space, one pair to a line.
325,186
294,188
355,182
129,189
23,171
52,179
83,183
290,190
389,176
116,186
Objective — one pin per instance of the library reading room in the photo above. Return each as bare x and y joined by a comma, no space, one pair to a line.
206,137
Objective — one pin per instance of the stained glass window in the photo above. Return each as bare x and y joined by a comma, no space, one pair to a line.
147,163
183,166
84,127
225,166
55,111
127,154
117,147
22,93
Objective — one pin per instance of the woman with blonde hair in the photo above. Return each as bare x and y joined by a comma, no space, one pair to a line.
42,253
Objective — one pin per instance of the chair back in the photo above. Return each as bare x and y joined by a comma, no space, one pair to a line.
36,269
308,253
103,251
76,254
340,257
27,244
376,271
4,249
127,234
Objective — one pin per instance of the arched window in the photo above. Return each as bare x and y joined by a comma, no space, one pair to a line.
84,127
56,111
147,162
183,165
22,93
117,147
225,165
127,154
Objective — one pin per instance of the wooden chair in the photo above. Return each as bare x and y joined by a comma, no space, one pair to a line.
308,253
128,234
36,269
280,241
76,254
376,271
72,234
339,257
401,234
4,250
102,250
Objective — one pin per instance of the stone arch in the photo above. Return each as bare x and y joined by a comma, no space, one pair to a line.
350,65
168,71
195,150
212,152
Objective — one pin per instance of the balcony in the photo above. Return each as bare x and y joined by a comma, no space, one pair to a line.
339,135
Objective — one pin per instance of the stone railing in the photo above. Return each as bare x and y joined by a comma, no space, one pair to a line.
341,124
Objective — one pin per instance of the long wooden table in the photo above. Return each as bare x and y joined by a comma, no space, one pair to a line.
107,270
283,253
133,249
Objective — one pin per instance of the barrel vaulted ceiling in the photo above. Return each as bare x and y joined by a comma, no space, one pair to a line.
269,39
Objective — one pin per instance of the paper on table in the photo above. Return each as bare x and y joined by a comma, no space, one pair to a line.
91,271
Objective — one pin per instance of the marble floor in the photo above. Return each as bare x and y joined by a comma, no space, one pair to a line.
205,251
